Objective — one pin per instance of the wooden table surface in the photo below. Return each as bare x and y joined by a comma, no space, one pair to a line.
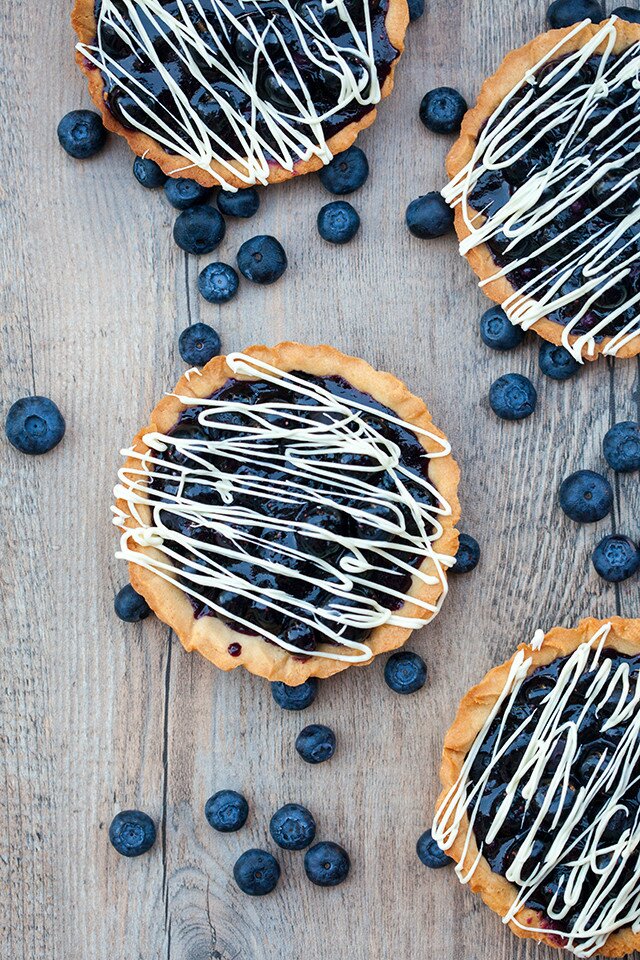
97,715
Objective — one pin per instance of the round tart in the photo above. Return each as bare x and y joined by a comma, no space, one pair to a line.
541,800
545,184
291,510
236,93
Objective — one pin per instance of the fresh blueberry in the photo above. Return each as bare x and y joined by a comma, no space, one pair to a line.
130,606
586,496
327,864
621,446
256,872
467,556
199,230
442,110
429,216
262,259
416,9
626,13
556,362
81,133
338,222
616,558
34,425
295,698
226,811
218,282
430,853
405,672
292,827
148,173
347,172
564,13
198,344
183,193
316,743
132,833
242,203
498,332
513,397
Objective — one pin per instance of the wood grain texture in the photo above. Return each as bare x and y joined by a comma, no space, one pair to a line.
97,715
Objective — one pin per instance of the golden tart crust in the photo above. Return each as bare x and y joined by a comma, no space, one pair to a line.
492,93
84,23
209,635
476,705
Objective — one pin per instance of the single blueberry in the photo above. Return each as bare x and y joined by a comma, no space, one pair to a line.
616,558
416,9
430,853
564,13
148,173
198,344
405,672
130,606
556,362
513,397
132,833
226,811
292,827
468,554
316,743
295,698
81,133
429,216
348,171
262,259
626,13
242,203
218,282
182,193
621,446
498,332
34,425
338,222
327,864
199,230
256,872
442,110
586,496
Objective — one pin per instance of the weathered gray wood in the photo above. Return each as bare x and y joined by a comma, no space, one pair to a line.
97,715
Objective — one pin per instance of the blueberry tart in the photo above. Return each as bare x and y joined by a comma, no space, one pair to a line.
541,801
290,510
233,93
545,183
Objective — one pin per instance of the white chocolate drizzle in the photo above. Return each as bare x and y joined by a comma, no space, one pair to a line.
295,133
317,435
528,114
612,901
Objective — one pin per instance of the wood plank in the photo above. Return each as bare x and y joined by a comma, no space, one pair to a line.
97,715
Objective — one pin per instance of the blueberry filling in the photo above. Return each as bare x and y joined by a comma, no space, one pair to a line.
550,260
302,555
599,730
283,73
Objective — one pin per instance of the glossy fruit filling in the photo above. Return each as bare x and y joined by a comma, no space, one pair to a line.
564,893
307,555
285,71
584,134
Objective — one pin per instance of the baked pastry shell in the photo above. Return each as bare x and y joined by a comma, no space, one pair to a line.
209,635
492,93
84,23
476,705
